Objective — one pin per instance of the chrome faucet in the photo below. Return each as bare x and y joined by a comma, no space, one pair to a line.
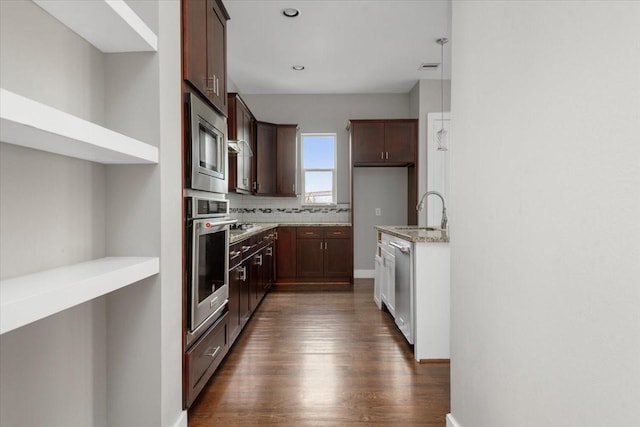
420,206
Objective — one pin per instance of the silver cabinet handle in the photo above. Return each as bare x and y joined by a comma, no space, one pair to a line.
259,259
382,155
234,254
269,251
325,246
403,249
211,352
245,248
243,273
387,155
320,245
255,185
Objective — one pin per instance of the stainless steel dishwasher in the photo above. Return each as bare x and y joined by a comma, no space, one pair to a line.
404,289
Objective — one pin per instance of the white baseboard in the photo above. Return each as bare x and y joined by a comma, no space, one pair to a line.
364,274
451,422
182,420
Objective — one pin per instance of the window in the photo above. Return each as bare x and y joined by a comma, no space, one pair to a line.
319,168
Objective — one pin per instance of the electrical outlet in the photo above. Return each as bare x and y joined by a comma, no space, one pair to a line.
378,212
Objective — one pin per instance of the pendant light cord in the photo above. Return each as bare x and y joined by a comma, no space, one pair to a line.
442,42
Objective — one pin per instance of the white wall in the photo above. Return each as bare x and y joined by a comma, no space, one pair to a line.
51,214
545,237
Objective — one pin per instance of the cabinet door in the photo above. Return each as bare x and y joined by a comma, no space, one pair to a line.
337,257
265,158
377,284
286,254
310,256
286,156
247,128
269,260
367,142
390,266
234,319
400,139
194,43
216,54
245,290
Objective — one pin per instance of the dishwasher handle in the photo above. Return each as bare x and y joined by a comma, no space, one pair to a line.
401,248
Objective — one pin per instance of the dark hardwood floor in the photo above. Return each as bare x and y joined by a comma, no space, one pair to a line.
323,359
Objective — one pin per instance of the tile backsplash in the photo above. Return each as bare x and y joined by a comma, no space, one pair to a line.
284,210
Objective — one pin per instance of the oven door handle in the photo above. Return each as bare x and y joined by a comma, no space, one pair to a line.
223,222
207,226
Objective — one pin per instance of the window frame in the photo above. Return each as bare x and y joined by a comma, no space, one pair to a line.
333,170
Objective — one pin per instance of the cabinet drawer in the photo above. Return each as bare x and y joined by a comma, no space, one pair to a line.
309,232
337,232
235,254
204,357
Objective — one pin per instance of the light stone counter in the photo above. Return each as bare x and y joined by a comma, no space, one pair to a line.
416,234
240,235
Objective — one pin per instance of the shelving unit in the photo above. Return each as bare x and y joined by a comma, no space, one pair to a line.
31,124
112,353
32,297
110,25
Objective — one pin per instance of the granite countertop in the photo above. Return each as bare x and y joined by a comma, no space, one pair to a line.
240,235
416,234
315,224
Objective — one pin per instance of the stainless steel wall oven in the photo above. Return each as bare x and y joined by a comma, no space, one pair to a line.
207,259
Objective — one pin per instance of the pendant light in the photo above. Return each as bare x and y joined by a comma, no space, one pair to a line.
442,135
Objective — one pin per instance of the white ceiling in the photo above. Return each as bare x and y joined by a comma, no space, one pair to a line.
347,46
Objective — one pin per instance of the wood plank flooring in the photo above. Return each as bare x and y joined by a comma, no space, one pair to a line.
323,359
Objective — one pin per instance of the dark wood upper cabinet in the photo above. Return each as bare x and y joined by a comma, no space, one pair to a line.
265,158
240,127
286,157
194,43
401,140
367,139
205,49
276,157
384,142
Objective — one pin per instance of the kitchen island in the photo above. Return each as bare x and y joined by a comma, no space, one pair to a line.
412,284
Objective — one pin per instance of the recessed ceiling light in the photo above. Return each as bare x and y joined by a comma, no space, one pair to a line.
290,12
298,67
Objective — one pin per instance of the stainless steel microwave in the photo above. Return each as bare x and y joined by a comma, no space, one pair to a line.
207,161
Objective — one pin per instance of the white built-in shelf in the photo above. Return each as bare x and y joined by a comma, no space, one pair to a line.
110,25
29,123
32,297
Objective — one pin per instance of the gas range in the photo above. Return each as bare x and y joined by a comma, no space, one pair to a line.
243,226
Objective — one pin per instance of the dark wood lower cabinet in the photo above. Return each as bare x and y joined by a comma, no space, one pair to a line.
337,258
321,257
250,276
286,254
309,255
202,359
